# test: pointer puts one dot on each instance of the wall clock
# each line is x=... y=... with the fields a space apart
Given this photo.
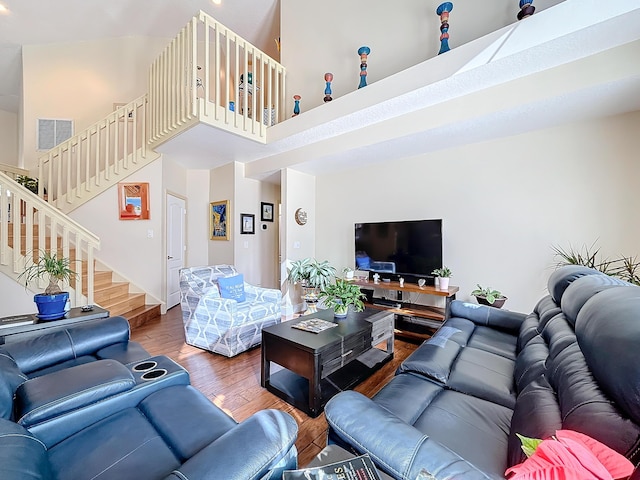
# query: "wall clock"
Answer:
x=301 y=216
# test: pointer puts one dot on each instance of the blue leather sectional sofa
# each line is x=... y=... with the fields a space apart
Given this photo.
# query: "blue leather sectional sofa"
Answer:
x=455 y=405
x=88 y=403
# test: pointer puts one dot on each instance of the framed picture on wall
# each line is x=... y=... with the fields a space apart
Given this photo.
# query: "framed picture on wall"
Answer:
x=247 y=223
x=133 y=201
x=218 y=220
x=266 y=212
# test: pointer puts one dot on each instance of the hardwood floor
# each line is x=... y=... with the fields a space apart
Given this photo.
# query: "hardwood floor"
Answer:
x=234 y=383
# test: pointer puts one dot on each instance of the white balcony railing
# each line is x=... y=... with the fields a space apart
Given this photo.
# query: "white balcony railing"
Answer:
x=208 y=73
x=28 y=225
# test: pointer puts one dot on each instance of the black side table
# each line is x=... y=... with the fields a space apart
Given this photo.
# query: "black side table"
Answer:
x=9 y=334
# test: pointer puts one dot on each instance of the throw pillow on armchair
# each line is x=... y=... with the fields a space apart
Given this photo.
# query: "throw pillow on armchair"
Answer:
x=232 y=288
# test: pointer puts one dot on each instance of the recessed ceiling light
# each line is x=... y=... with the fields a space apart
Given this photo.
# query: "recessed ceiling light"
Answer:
x=217 y=2
x=3 y=9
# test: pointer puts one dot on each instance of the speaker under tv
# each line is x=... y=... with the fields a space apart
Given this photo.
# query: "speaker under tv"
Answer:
x=410 y=249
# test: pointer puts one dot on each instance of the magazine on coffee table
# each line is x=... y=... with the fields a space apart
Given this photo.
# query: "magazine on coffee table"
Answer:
x=314 y=325
x=357 y=468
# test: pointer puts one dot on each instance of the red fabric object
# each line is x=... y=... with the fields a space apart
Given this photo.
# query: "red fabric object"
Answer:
x=571 y=455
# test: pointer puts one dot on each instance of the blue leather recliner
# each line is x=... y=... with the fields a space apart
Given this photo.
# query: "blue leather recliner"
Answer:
x=457 y=402
x=87 y=403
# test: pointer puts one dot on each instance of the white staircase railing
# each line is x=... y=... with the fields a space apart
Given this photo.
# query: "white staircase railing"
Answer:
x=28 y=224
x=208 y=73
x=87 y=163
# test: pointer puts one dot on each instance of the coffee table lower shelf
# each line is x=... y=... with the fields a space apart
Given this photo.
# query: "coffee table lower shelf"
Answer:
x=294 y=389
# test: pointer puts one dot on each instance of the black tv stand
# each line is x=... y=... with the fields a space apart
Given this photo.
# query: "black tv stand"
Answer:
x=385 y=302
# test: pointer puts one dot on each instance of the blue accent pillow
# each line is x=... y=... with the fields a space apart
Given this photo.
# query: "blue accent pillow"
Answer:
x=232 y=288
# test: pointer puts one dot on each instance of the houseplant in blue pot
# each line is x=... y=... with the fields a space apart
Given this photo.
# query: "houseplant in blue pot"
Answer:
x=55 y=269
x=340 y=295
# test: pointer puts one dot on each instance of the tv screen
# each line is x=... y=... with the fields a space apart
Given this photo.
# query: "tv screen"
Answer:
x=412 y=247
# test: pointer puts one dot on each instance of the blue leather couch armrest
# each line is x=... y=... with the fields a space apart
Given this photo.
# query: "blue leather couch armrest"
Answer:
x=395 y=446
x=22 y=456
x=249 y=451
x=488 y=316
x=41 y=398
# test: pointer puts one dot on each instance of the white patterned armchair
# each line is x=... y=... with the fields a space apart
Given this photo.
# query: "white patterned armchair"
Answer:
x=224 y=325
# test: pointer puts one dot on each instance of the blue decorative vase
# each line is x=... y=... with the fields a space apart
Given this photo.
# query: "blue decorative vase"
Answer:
x=364 y=54
x=443 y=10
x=51 y=307
x=526 y=9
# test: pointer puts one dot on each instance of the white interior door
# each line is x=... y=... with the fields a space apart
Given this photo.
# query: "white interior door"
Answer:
x=176 y=247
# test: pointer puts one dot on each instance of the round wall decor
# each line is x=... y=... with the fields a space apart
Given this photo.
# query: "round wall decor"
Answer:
x=301 y=216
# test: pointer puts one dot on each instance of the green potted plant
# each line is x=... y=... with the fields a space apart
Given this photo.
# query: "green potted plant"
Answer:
x=29 y=183
x=312 y=276
x=55 y=269
x=340 y=295
x=443 y=274
x=489 y=296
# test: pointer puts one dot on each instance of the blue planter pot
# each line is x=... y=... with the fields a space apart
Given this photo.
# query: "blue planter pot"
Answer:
x=51 y=307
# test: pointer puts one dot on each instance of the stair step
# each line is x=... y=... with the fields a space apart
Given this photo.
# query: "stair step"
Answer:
x=101 y=278
x=124 y=303
x=142 y=315
x=103 y=294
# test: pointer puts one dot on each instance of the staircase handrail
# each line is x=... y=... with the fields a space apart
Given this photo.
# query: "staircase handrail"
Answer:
x=24 y=207
x=102 y=149
x=12 y=171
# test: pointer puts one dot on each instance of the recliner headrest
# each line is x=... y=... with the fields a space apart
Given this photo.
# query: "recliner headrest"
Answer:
x=582 y=289
x=608 y=333
x=564 y=276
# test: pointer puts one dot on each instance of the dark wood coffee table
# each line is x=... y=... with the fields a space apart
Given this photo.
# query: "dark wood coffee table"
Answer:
x=316 y=366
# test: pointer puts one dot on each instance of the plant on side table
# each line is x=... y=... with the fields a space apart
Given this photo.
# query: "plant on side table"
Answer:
x=341 y=295
x=313 y=276
x=489 y=296
x=443 y=274
x=55 y=269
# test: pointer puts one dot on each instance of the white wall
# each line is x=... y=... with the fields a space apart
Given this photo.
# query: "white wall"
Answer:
x=197 y=217
x=81 y=81
x=15 y=299
x=9 y=138
x=319 y=37
x=504 y=203
x=125 y=245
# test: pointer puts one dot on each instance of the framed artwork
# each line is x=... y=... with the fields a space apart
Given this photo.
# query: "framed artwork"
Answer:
x=218 y=220
x=247 y=223
x=133 y=201
x=266 y=212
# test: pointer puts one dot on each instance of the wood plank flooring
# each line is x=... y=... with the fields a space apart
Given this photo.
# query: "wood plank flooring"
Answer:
x=233 y=384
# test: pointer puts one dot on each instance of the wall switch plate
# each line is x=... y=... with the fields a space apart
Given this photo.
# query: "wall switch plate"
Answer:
x=296 y=244
x=246 y=244
x=149 y=233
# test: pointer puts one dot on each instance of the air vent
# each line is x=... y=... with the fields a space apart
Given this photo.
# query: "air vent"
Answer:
x=52 y=132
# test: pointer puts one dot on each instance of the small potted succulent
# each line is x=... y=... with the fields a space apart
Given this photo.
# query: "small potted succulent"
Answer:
x=55 y=269
x=489 y=296
x=341 y=295
x=443 y=274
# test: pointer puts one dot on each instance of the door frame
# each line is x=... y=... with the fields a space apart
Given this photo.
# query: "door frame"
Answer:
x=165 y=242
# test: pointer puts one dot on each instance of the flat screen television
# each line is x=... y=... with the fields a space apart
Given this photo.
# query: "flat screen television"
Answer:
x=409 y=249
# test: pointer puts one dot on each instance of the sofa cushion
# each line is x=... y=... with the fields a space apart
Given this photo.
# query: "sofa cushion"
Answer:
x=536 y=415
x=561 y=278
x=191 y=427
x=232 y=288
x=22 y=456
x=582 y=289
x=611 y=318
x=120 y=446
x=475 y=429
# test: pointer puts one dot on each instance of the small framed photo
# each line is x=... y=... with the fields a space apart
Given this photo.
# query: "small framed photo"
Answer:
x=266 y=212
x=133 y=201
x=247 y=223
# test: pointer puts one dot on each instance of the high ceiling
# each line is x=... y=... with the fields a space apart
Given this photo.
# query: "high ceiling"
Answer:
x=34 y=22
